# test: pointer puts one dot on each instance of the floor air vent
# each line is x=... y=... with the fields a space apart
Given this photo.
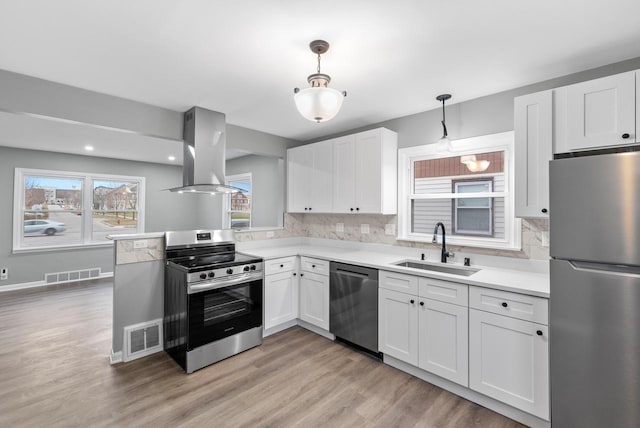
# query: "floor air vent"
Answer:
x=72 y=276
x=142 y=339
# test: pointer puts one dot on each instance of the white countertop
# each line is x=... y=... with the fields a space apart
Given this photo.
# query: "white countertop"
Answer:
x=518 y=281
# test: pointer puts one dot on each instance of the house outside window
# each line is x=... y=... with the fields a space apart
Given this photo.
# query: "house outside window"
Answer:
x=237 y=206
x=60 y=209
x=476 y=207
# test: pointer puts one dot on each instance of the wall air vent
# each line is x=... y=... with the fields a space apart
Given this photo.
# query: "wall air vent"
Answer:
x=72 y=276
x=142 y=339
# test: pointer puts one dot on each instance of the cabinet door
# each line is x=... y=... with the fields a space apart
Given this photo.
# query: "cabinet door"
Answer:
x=509 y=361
x=600 y=112
x=344 y=173
x=280 y=299
x=321 y=178
x=368 y=173
x=443 y=340
x=299 y=166
x=533 y=120
x=314 y=299
x=398 y=325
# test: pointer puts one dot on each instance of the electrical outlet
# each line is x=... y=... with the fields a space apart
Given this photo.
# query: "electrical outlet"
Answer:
x=390 y=229
x=340 y=227
x=140 y=243
x=270 y=234
x=364 y=228
x=4 y=273
x=544 y=237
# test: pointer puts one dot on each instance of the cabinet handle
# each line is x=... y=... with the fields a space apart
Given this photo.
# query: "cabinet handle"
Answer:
x=357 y=209
x=544 y=210
x=351 y=209
x=281 y=266
x=421 y=303
x=504 y=304
x=412 y=301
x=309 y=209
x=625 y=135
x=313 y=266
x=539 y=332
x=301 y=274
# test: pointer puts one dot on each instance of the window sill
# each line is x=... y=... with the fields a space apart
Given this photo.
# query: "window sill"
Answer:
x=504 y=246
x=62 y=248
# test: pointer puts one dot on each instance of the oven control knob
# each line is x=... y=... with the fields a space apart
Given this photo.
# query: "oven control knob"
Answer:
x=211 y=274
x=246 y=269
x=253 y=267
x=229 y=271
x=203 y=276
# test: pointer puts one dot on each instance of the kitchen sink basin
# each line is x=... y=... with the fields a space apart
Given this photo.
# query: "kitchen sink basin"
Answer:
x=462 y=271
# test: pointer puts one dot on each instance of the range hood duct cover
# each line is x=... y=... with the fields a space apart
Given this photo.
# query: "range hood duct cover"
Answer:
x=204 y=153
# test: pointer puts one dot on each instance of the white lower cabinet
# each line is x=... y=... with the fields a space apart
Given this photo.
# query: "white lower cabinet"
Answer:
x=425 y=333
x=314 y=299
x=509 y=361
x=280 y=298
x=398 y=325
x=443 y=340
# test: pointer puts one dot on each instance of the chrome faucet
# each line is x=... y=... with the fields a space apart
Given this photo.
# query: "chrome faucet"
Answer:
x=444 y=253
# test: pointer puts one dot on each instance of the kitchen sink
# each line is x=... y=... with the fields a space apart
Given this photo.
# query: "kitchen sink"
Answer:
x=463 y=271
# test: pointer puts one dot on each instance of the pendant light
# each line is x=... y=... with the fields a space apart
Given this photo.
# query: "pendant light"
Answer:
x=318 y=103
x=443 y=145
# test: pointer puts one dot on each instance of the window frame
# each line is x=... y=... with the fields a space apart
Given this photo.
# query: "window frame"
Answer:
x=486 y=143
x=226 y=206
x=87 y=179
x=455 y=184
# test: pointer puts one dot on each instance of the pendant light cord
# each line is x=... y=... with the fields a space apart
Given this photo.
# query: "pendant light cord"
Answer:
x=443 y=121
x=318 y=62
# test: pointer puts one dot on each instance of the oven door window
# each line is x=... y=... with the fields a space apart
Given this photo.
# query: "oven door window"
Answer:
x=220 y=313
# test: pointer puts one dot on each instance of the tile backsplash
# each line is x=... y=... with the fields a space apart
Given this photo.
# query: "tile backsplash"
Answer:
x=534 y=233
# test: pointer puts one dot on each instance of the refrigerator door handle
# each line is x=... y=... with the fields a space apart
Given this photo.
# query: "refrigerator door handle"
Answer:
x=624 y=270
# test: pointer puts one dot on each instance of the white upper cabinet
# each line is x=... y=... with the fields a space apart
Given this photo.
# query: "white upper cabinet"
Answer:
x=309 y=178
x=344 y=173
x=533 y=124
x=357 y=174
x=599 y=113
x=366 y=171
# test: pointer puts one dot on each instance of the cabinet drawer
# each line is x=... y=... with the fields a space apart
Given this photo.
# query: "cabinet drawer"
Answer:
x=398 y=282
x=284 y=264
x=444 y=291
x=528 y=308
x=318 y=266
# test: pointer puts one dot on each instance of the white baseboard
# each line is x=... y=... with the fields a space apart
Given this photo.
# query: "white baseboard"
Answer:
x=278 y=328
x=316 y=330
x=115 y=357
x=36 y=284
x=495 y=405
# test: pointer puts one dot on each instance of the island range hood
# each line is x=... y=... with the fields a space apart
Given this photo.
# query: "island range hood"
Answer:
x=204 y=153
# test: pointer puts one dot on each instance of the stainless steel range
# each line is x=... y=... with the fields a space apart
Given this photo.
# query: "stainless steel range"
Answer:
x=212 y=298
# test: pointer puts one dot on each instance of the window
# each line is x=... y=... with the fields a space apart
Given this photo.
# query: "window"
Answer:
x=476 y=206
x=56 y=209
x=238 y=205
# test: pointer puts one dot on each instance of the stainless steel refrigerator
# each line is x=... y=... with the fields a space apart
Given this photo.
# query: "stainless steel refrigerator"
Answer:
x=595 y=291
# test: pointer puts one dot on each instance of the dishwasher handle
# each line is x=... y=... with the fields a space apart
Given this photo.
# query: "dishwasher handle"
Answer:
x=349 y=273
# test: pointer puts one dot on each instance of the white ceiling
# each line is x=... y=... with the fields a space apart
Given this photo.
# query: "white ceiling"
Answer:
x=245 y=57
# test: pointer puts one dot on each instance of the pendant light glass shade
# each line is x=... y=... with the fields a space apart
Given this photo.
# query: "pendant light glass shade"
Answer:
x=443 y=146
x=318 y=104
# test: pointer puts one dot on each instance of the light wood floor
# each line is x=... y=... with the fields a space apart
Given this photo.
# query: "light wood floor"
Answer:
x=54 y=371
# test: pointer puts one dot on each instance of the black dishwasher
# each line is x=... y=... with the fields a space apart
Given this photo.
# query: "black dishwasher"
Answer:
x=353 y=309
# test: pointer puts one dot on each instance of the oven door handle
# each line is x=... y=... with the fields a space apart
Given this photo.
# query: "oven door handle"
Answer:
x=212 y=285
